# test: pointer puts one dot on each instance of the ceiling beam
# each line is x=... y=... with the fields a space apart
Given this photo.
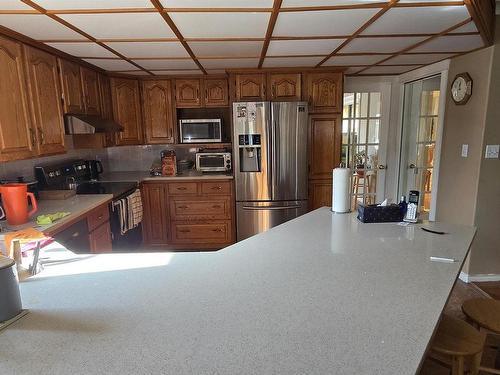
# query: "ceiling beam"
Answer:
x=413 y=46
x=159 y=7
x=81 y=32
x=483 y=15
x=270 y=29
x=377 y=15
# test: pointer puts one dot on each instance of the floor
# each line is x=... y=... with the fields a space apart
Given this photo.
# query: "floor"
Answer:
x=461 y=292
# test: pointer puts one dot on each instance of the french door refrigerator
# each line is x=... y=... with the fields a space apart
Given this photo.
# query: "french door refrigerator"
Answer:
x=270 y=164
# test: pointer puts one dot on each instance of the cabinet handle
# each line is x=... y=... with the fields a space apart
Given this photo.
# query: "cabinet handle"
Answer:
x=274 y=91
x=100 y=217
x=217 y=230
x=216 y=206
x=42 y=137
x=183 y=207
x=76 y=234
x=182 y=188
x=184 y=230
x=216 y=188
x=206 y=95
x=32 y=136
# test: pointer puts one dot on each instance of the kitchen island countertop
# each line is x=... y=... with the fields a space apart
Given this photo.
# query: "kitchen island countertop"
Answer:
x=321 y=294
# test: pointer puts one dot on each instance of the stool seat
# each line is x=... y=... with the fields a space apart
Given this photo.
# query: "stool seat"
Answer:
x=483 y=311
x=457 y=338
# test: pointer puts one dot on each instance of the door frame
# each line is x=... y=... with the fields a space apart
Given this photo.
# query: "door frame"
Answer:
x=441 y=68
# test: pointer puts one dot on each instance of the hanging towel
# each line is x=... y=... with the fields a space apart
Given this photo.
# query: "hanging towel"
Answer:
x=129 y=211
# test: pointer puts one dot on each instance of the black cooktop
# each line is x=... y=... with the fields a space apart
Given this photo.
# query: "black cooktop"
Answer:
x=118 y=189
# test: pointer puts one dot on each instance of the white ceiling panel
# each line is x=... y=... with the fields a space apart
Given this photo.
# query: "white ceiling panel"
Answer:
x=314 y=3
x=418 y=59
x=451 y=43
x=467 y=28
x=93 y=4
x=167 y=64
x=121 y=25
x=149 y=49
x=221 y=25
x=284 y=62
x=176 y=72
x=384 y=45
x=354 y=60
x=229 y=49
x=229 y=63
x=112 y=65
x=389 y=69
x=217 y=3
x=38 y=27
x=315 y=23
x=303 y=47
x=83 y=49
x=414 y=20
x=14 y=5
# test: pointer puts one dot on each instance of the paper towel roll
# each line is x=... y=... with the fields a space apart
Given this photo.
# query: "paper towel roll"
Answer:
x=341 y=201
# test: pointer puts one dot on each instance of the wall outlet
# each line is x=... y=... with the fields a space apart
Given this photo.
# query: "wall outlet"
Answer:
x=465 y=150
x=492 y=151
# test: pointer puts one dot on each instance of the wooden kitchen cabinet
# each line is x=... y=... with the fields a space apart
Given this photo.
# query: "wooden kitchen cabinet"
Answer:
x=71 y=87
x=188 y=93
x=16 y=132
x=127 y=110
x=105 y=96
x=320 y=193
x=155 y=218
x=216 y=92
x=100 y=239
x=250 y=87
x=324 y=92
x=158 y=111
x=47 y=113
x=285 y=87
x=91 y=95
x=325 y=133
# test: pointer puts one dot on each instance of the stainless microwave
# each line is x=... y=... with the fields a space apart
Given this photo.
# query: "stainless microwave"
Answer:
x=200 y=130
x=213 y=161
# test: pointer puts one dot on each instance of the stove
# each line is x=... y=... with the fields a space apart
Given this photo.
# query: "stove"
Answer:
x=118 y=189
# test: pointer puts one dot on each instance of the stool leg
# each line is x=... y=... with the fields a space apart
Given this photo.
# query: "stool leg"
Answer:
x=475 y=363
x=457 y=365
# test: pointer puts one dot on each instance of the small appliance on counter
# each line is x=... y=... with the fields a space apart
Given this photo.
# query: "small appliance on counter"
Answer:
x=200 y=130
x=95 y=169
x=168 y=163
x=184 y=165
x=213 y=162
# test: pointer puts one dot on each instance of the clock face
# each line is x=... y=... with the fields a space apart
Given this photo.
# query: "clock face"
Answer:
x=461 y=88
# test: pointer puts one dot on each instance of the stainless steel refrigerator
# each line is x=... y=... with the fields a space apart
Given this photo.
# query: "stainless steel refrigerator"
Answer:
x=270 y=164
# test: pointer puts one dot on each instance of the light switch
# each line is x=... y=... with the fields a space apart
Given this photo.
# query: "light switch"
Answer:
x=465 y=150
x=492 y=151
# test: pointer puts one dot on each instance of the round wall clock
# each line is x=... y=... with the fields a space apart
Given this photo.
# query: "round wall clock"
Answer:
x=461 y=88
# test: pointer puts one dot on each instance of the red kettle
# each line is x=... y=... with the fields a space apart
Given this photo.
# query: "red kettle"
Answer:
x=15 y=203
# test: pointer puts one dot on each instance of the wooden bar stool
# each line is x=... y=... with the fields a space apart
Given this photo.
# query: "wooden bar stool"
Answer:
x=457 y=339
x=485 y=314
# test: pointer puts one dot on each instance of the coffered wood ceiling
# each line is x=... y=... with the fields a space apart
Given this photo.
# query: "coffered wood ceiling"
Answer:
x=158 y=37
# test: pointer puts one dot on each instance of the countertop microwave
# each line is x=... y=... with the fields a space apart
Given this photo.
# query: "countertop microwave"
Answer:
x=213 y=162
x=200 y=130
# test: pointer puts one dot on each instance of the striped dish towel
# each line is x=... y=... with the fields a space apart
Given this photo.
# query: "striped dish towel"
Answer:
x=130 y=211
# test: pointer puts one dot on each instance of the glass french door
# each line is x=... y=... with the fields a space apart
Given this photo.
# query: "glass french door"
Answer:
x=418 y=141
x=363 y=145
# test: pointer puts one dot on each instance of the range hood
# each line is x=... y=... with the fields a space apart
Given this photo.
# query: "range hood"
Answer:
x=75 y=123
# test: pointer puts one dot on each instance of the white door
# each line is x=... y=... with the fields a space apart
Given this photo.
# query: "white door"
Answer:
x=364 y=140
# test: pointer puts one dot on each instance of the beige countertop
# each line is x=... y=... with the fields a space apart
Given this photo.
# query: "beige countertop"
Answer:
x=139 y=176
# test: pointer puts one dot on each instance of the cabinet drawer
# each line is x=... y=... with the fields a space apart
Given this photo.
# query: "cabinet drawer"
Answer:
x=200 y=209
x=98 y=216
x=220 y=188
x=178 y=188
x=206 y=233
x=100 y=239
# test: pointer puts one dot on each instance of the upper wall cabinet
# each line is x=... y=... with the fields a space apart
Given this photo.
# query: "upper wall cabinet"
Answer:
x=158 y=111
x=250 y=87
x=188 y=93
x=72 y=87
x=90 y=87
x=216 y=92
x=284 y=87
x=45 y=98
x=127 y=110
x=105 y=97
x=324 y=91
x=17 y=140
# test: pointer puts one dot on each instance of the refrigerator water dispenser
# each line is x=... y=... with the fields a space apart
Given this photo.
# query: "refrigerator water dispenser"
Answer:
x=249 y=152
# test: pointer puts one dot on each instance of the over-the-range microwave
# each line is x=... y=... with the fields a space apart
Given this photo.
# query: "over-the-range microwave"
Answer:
x=200 y=130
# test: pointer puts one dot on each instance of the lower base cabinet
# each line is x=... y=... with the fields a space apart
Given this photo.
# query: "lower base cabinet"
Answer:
x=191 y=215
x=320 y=193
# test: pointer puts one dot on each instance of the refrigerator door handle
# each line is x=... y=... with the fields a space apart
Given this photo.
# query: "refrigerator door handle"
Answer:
x=271 y=208
x=275 y=147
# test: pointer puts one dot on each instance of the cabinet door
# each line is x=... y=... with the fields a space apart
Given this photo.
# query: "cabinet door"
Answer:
x=216 y=93
x=158 y=111
x=91 y=96
x=72 y=87
x=127 y=110
x=320 y=194
x=16 y=135
x=187 y=93
x=45 y=97
x=105 y=97
x=100 y=239
x=325 y=92
x=285 y=87
x=250 y=87
x=155 y=218
x=325 y=134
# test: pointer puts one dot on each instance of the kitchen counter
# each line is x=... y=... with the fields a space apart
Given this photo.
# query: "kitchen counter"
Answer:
x=321 y=294
x=139 y=176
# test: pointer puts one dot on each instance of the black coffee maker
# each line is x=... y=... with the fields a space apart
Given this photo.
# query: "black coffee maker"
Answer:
x=95 y=169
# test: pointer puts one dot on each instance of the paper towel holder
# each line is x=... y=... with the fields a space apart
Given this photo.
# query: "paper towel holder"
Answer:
x=341 y=190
